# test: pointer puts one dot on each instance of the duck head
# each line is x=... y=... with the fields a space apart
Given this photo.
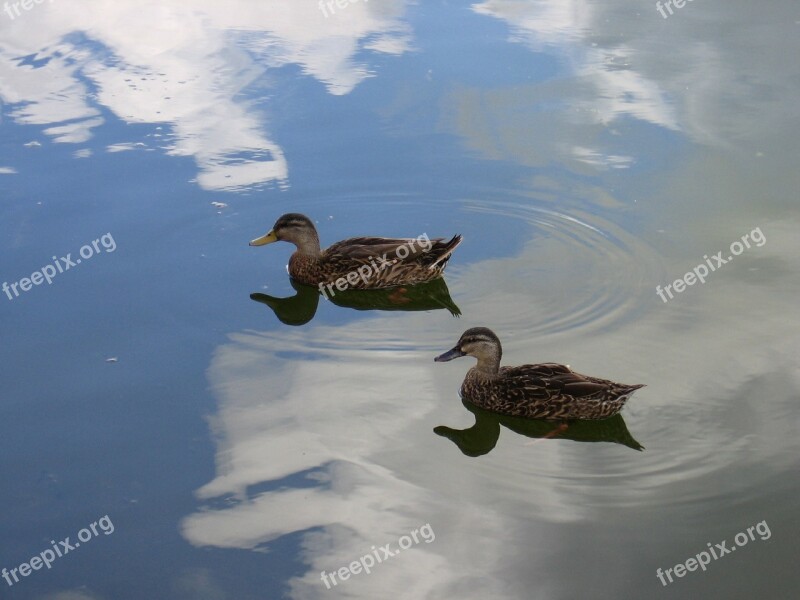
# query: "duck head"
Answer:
x=294 y=228
x=480 y=342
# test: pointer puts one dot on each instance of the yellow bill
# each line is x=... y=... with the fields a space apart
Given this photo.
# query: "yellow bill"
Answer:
x=265 y=239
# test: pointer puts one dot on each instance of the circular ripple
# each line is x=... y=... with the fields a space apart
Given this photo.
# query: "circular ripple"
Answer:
x=575 y=272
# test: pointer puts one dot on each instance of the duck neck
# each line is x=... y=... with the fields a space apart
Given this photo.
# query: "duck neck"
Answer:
x=308 y=244
x=488 y=366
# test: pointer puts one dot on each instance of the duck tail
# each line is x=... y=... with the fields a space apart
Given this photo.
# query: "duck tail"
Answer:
x=443 y=250
x=626 y=391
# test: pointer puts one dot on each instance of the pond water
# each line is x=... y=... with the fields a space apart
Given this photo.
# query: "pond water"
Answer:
x=202 y=428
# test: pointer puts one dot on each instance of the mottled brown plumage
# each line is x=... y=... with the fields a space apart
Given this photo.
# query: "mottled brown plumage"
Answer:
x=543 y=391
x=370 y=262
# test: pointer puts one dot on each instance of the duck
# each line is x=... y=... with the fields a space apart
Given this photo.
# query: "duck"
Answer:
x=542 y=391
x=361 y=262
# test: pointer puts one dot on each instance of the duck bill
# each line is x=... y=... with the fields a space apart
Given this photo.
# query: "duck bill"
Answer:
x=265 y=239
x=449 y=355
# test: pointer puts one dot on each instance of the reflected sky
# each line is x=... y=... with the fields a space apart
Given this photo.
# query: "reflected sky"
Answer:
x=352 y=409
x=588 y=153
x=186 y=66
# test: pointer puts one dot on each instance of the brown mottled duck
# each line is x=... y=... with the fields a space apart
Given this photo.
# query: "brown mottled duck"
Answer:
x=544 y=391
x=359 y=263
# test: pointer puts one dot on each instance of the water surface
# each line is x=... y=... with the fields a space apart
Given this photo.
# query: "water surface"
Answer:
x=587 y=152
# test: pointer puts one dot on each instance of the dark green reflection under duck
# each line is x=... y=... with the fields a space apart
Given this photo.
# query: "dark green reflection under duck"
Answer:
x=301 y=308
x=482 y=437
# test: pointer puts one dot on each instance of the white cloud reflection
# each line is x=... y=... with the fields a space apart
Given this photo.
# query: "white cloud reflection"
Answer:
x=185 y=65
x=334 y=417
x=565 y=28
x=680 y=74
x=347 y=412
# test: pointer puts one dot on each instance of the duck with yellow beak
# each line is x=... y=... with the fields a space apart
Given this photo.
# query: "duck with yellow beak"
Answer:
x=359 y=263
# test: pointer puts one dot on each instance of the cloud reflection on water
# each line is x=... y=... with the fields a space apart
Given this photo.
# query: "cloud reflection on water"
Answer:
x=185 y=65
x=343 y=420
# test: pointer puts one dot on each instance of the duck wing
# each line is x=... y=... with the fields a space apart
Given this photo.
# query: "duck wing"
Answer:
x=547 y=391
x=550 y=380
x=364 y=248
x=388 y=262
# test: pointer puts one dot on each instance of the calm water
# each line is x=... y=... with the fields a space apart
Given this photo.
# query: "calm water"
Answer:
x=238 y=447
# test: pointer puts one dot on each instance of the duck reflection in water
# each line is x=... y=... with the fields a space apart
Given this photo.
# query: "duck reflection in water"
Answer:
x=301 y=308
x=482 y=437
